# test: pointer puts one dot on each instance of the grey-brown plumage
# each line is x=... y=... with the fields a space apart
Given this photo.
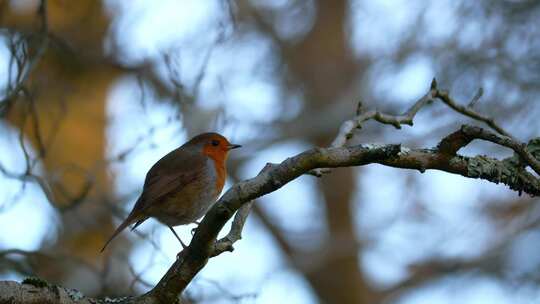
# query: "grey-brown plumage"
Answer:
x=182 y=185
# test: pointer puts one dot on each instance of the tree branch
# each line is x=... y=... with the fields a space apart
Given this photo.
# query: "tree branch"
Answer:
x=30 y=63
x=273 y=177
x=347 y=128
x=238 y=199
x=459 y=139
x=469 y=112
x=235 y=234
x=35 y=291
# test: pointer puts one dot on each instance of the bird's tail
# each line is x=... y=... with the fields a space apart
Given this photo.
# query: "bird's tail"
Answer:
x=129 y=220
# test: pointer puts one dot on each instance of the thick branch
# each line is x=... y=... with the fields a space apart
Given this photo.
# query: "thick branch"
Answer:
x=34 y=291
x=272 y=178
x=459 y=139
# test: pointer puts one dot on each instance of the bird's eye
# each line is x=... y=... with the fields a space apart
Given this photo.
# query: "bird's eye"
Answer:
x=215 y=142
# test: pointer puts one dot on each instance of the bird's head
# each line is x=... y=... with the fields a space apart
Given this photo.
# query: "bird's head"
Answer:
x=214 y=145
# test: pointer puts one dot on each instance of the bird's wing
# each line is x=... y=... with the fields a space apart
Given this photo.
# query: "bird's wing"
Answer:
x=169 y=174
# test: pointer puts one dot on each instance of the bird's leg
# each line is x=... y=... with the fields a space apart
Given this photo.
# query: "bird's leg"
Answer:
x=177 y=237
x=181 y=255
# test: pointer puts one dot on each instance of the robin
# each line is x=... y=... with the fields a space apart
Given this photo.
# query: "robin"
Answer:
x=182 y=185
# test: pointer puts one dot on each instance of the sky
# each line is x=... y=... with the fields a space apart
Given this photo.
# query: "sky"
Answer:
x=256 y=267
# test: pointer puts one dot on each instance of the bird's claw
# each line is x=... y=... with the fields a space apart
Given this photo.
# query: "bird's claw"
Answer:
x=181 y=254
x=195 y=229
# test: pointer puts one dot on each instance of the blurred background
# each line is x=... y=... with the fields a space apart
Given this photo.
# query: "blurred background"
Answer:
x=93 y=94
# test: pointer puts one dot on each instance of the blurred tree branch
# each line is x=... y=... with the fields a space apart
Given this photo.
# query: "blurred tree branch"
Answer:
x=25 y=61
x=238 y=199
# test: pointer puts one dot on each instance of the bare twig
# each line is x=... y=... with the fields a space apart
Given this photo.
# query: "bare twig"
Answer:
x=348 y=127
x=235 y=234
x=24 y=70
x=444 y=96
x=346 y=131
x=476 y=97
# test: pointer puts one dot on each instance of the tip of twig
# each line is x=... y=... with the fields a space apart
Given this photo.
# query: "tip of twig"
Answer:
x=476 y=97
x=359 y=108
x=433 y=84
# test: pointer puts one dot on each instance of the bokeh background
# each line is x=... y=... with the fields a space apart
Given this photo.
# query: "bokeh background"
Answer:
x=98 y=91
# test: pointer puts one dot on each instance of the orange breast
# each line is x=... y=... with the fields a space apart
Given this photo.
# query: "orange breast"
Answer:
x=219 y=158
x=221 y=175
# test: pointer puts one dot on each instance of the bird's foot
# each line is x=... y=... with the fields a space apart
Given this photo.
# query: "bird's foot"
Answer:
x=195 y=229
x=181 y=254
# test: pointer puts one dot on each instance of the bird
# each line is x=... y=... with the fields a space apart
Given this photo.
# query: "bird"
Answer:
x=181 y=186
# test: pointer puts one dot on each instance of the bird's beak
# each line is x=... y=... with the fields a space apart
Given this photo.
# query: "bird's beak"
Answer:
x=233 y=146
